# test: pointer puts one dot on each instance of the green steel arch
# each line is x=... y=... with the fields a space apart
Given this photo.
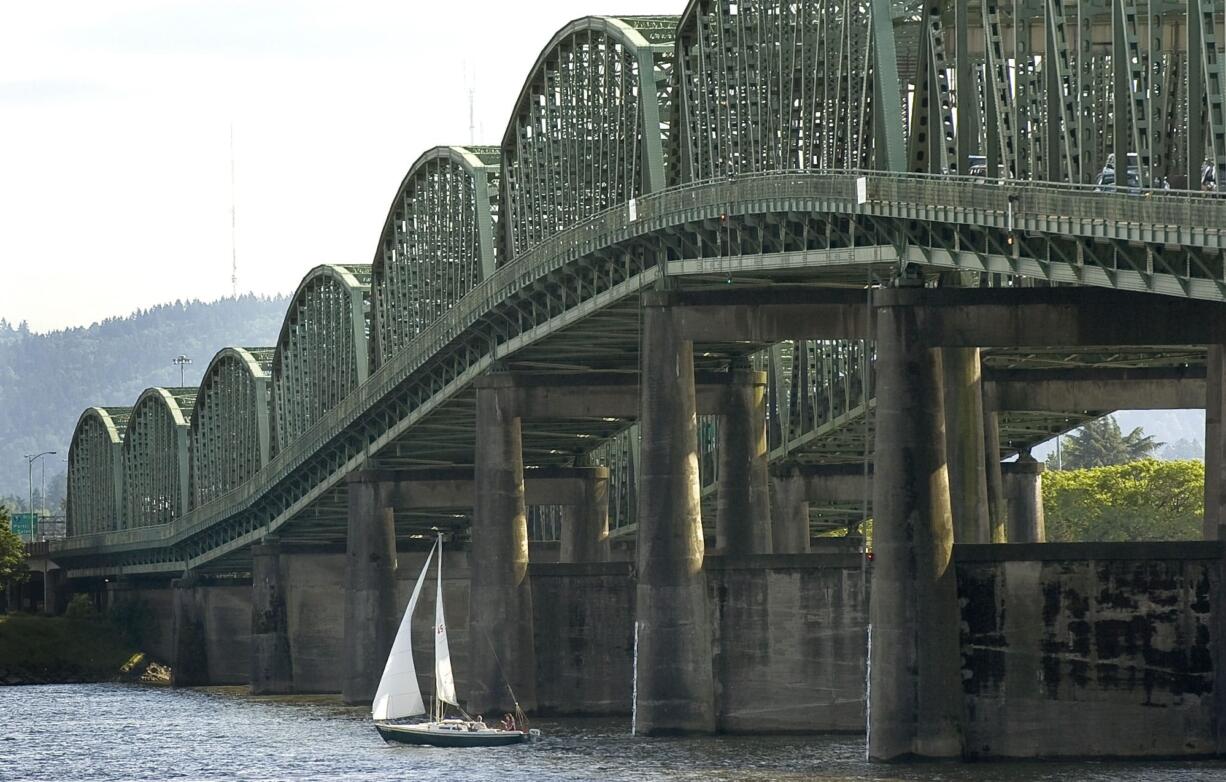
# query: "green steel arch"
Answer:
x=230 y=435
x=437 y=243
x=95 y=470
x=321 y=354
x=589 y=127
x=773 y=85
x=155 y=457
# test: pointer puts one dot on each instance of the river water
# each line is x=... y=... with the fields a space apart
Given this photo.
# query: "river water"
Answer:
x=132 y=732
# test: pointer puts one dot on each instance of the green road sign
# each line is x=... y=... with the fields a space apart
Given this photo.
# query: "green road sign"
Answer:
x=23 y=524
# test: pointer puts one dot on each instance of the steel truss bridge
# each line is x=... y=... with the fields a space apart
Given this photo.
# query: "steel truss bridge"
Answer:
x=770 y=148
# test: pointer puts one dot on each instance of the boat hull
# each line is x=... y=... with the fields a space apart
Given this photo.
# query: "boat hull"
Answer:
x=414 y=734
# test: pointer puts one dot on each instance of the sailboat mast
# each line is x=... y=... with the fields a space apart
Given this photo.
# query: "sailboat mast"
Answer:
x=438 y=620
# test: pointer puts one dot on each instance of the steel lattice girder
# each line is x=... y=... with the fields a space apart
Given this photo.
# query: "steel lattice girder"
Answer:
x=155 y=445
x=322 y=353
x=230 y=432
x=587 y=131
x=95 y=471
x=437 y=243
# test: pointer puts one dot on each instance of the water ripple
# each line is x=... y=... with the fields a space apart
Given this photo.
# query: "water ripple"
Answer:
x=131 y=733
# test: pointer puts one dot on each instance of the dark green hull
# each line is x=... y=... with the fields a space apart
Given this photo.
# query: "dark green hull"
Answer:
x=440 y=738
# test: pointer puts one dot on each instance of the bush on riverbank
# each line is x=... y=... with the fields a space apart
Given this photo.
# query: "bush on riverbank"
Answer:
x=80 y=648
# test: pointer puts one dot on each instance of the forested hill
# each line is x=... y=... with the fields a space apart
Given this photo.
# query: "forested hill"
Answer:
x=47 y=380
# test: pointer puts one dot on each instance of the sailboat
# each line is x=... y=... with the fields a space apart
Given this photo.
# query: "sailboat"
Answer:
x=399 y=696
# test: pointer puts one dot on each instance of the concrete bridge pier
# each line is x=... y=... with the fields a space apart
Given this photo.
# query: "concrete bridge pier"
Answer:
x=190 y=664
x=1215 y=445
x=370 y=587
x=994 y=479
x=55 y=592
x=915 y=685
x=271 y=668
x=585 y=525
x=965 y=444
x=673 y=673
x=501 y=646
x=12 y=596
x=743 y=517
x=1024 y=490
x=789 y=512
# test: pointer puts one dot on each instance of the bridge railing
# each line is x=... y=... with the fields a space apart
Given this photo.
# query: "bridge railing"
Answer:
x=1201 y=212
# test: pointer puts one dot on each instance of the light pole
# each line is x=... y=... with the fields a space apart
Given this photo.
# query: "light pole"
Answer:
x=182 y=361
x=30 y=459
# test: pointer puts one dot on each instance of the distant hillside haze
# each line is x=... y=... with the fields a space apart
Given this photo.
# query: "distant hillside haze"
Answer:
x=48 y=379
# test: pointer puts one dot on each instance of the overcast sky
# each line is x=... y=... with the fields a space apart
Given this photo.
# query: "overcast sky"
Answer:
x=114 y=135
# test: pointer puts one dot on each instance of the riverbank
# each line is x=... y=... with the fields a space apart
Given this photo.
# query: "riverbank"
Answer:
x=61 y=650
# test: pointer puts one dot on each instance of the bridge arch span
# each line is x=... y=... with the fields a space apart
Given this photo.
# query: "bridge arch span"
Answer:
x=155 y=463
x=798 y=97
x=95 y=470
x=437 y=242
x=321 y=353
x=230 y=435
x=589 y=128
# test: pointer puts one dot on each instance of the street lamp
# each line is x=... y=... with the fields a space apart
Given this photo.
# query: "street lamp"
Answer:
x=182 y=361
x=30 y=459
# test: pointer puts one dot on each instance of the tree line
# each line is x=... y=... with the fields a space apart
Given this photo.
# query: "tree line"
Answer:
x=48 y=379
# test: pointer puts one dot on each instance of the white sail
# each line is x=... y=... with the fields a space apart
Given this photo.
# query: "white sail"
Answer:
x=399 y=694
x=444 y=681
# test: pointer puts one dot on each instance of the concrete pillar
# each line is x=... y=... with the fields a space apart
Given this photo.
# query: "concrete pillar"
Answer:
x=55 y=592
x=371 y=614
x=743 y=519
x=12 y=596
x=789 y=514
x=271 y=669
x=585 y=527
x=964 y=443
x=991 y=457
x=674 y=690
x=915 y=700
x=1024 y=490
x=190 y=666
x=1215 y=445
x=500 y=602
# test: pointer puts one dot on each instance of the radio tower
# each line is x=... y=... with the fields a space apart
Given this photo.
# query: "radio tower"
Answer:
x=233 y=220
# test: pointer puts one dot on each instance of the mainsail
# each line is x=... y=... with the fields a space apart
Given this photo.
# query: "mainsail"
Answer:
x=444 y=682
x=398 y=694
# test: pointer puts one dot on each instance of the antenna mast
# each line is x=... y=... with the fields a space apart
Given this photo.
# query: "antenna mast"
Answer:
x=233 y=221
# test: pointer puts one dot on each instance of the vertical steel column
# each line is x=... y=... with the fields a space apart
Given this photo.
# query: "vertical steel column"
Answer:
x=1063 y=144
x=886 y=100
x=1197 y=117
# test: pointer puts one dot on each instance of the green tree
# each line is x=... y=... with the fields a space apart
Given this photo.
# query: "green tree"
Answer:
x=1101 y=444
x=1140 y=500
x=12 y=552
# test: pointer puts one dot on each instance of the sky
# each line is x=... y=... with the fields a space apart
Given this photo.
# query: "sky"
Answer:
x=115 y=122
